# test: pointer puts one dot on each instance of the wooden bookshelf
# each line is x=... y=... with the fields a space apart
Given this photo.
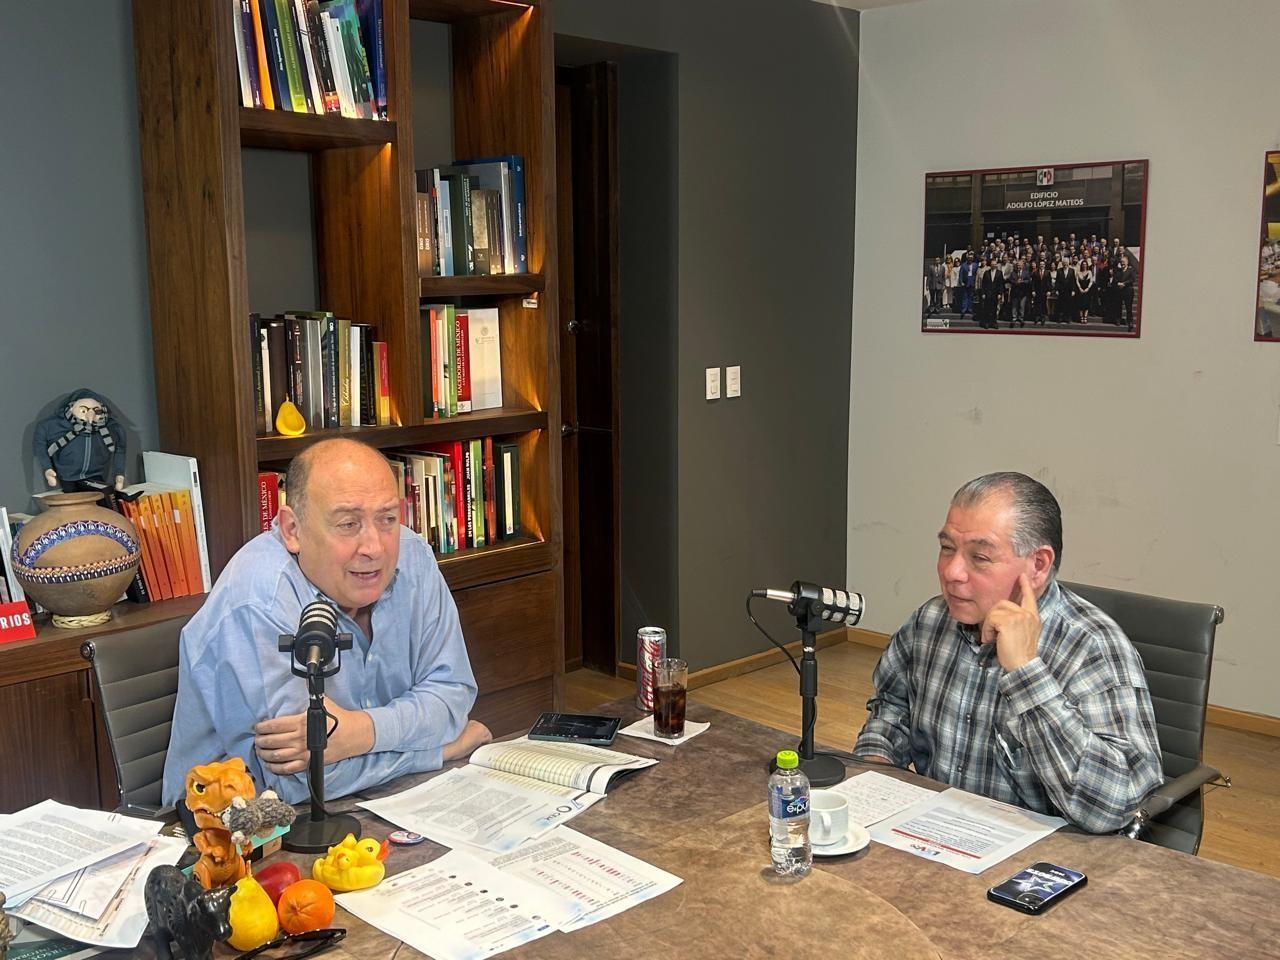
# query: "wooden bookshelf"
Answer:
x=192 y=131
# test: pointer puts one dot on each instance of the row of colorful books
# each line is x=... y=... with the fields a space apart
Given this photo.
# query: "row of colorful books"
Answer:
x=471 y=219
x=456 y=495
x=312 y=56
x=461 y=494
x=330 y=368
x=10 y=589
x=462 y=353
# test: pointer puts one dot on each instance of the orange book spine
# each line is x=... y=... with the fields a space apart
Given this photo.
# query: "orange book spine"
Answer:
x=260 y=48
x=164 y=588
x=148 y=572
x=187 y=531
x=163 y=507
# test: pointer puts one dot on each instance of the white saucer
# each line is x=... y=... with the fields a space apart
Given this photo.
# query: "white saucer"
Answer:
x=854 y=840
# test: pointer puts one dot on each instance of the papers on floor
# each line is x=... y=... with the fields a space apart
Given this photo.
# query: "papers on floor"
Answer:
x=591 y=877
x=873 y=796
x=643 y=728
x=103 y=904
x=964 y=831
x=50 y=840
x=459 y=908
x=509 y=793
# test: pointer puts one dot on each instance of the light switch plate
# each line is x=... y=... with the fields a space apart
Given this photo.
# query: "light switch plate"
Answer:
x=733 y=381
x=713 y=383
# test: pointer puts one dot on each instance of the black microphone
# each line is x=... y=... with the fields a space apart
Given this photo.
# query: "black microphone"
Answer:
x=837 y=606
x=316 y=642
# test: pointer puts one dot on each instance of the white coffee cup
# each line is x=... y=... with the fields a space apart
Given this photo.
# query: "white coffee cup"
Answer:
x=828 y=817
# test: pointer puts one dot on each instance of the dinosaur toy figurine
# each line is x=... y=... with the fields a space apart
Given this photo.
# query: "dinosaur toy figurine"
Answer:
x=211 y=790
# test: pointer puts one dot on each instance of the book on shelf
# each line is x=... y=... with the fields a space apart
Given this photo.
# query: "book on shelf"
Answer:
x=325 y=365
x=270 y=497
x=506 y=462
x=312 y=56
x=181 y=473
x=472 y=218
x=461 y=359
x=10 y=589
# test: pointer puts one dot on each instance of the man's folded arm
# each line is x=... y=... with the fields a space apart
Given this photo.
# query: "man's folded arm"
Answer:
x=1097 y=757
x=887 y=731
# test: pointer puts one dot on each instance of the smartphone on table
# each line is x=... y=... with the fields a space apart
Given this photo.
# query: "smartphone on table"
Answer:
x=1037 y=888
x=576 y=728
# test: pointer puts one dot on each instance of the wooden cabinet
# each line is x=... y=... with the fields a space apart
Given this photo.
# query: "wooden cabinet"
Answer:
x=192 y=133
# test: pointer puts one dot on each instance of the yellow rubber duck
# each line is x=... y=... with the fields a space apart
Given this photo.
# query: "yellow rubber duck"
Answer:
x=352 y=864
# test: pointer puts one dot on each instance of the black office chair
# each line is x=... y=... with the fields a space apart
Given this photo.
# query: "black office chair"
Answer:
x=137 y=673
x=1175 y=640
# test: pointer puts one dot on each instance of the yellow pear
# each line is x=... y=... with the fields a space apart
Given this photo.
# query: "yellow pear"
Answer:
x=289 y=420
x=253 y=916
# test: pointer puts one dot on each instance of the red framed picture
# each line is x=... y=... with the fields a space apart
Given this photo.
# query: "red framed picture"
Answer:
x=1056 y=249
x=1266 y=319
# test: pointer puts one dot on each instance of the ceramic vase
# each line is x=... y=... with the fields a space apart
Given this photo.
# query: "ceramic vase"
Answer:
x=76 y=558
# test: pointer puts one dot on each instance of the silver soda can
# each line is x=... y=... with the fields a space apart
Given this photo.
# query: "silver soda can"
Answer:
x=651 y=645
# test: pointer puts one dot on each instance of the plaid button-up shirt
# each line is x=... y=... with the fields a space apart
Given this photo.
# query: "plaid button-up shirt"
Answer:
x=1070 y=733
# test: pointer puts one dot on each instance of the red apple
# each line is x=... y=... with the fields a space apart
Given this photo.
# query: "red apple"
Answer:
x=276 y=877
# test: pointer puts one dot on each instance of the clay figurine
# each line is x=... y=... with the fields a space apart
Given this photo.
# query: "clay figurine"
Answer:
x=186 y=920
x=82 y=445
x=211 y=789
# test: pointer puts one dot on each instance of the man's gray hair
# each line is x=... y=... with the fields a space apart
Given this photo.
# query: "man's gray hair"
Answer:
x=1037 y=520
x=299 y=473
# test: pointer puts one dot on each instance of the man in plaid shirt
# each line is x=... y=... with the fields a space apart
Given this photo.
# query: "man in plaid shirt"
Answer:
x=1008 y=684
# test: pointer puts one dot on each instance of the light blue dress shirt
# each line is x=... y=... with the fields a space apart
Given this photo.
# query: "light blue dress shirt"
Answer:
x=415 y=681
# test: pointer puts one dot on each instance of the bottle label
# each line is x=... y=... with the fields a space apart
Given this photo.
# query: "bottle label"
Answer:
x=782 y=807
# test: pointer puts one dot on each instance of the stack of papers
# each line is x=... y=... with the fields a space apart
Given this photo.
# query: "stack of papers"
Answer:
x=81 y=873
x=515 y=873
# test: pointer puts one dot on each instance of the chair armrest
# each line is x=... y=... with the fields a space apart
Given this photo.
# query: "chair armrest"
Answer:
x=1167 y=794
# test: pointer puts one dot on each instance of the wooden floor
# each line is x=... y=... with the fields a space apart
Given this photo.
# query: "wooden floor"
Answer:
x=1242 y=825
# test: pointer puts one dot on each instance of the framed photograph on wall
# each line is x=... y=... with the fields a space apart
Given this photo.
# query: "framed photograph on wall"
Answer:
x=1266 y=322
x=1036 y=250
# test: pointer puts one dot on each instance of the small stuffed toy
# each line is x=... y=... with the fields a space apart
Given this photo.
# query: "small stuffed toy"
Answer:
x=82 y=444
x=249 y=817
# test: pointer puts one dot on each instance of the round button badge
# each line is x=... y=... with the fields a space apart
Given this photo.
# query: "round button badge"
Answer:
x=405 y=838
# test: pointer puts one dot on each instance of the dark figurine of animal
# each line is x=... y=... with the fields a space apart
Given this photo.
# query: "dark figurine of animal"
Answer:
x=256 y=816
x=186 y=919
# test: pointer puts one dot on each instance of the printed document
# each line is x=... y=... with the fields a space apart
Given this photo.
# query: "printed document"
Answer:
x=590 y=876
x=963 y=830
x=509 y=793
x=103 y=905
x=49 y=840
x=873 y=796
x=458 y=908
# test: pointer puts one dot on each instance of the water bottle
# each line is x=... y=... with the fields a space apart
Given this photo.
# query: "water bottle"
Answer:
x=789 y=817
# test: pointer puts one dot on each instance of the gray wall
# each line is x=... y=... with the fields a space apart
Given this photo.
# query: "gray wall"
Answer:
x=1162 y=450
x=767 y=119
x=73 y=270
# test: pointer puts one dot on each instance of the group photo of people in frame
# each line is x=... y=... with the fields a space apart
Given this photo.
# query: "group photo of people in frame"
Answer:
x=1266 y=325
x=1055 y=249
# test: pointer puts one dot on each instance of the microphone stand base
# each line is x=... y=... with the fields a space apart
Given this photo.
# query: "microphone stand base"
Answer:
x=317 y=836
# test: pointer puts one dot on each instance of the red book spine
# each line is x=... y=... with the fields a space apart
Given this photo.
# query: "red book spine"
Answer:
x=268 y=499
x=490 y=501
x=384 y=385
x=462 y=351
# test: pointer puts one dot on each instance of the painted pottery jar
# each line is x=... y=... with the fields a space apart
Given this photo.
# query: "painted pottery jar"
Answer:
x=76 y=558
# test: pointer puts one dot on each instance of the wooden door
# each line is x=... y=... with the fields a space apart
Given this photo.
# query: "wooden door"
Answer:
x=587 y=201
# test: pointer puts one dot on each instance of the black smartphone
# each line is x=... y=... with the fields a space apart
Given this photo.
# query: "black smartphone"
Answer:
x=1037 y=888
x=575 y=728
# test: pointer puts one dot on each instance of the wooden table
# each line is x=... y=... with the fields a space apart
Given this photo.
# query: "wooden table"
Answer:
x=700 y=814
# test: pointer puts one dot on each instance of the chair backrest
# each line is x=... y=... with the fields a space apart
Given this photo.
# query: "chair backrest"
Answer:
x=137 y=672
x=1175 y=641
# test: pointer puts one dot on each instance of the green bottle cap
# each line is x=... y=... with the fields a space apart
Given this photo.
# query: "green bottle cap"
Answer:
x=788 y=760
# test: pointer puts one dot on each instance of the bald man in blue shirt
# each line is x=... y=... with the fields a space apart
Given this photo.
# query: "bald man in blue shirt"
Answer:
x=405 y=689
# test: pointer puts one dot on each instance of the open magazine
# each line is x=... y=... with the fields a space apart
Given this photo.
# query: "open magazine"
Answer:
x=510 y=792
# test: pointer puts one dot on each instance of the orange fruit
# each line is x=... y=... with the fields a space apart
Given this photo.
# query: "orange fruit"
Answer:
x=306 y=905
